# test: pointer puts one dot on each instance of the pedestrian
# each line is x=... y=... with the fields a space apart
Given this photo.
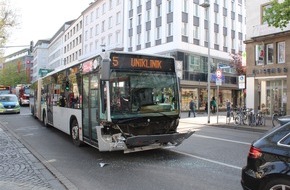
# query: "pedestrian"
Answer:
x=213 y=105
x=228 y=106
x=191 y=108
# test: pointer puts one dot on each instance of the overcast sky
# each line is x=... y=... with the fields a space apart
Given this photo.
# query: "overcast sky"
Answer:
x=41 y=19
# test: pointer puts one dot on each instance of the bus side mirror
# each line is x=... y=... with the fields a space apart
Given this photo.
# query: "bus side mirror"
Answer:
x=105 y=69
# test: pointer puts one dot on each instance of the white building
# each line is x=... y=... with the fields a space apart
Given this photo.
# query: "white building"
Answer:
x=173 y=27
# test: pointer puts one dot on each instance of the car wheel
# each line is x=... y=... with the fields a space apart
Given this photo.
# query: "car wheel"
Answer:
x=277 y=184
x=75 y=133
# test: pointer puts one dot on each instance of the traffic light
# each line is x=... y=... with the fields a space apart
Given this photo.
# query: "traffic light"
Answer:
x=67 y=85
x=31 y=47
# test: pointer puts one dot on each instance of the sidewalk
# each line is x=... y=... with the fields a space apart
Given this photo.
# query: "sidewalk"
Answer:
x=20 y=169
x=219 y=121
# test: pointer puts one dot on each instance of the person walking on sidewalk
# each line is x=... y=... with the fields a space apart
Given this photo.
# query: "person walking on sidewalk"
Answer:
x=228 y=105
x=191 y=108
x=213 y=105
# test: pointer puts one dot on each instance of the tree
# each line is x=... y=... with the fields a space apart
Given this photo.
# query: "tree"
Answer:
x=277 y=14
x=7 y=22
x=10 y=76
x=236 y=63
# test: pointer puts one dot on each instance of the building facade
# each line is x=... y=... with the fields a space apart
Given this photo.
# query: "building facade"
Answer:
x=268 y=63
x=180 y=28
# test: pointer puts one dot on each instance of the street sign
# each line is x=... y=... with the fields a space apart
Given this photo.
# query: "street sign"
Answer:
x=242 y=82
x=218 y=73
x=218 y=81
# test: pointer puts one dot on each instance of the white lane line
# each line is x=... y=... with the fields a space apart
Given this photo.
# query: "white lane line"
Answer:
x=221 y=139
x=208 y=160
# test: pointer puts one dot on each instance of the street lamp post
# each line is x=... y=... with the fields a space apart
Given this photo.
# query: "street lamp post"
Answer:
x=206 y=6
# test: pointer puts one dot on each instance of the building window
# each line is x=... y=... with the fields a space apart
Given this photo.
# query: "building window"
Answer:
x=281 y=52
x=206 y=35
x=103 y=26
x=216 y=18
x=185 y=6
x=96 y=44
x=130 y=42
x=110 y=39
x=138 y=39
x=184 y=29
x=225 y=41
x=264 y=8
x=110 y=4
x=216 y=38
x=148 y=14
x=110 y=21
x=118 y=37
x=97 y=12
x=270 y=53
x=225 y=21
x=104 y=8
x=91 y=32
x=97 y=29
x=148 y=36
x=195 y=32
x=169 y=29
x=118 y=18
x=158 y=33
x=259 y=54
x=195 y=10
x=130 y=23
x=130 y=5
x=169 y=6
x=158 y=11
x=139 y=19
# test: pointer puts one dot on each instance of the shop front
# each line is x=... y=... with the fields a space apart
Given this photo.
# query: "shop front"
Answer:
x=200 y=96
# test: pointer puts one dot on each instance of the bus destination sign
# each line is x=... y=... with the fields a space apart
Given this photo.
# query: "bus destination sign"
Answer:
x=144 y=62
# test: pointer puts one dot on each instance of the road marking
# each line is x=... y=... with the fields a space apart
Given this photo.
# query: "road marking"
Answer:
x=208 y=160
x=221 y=139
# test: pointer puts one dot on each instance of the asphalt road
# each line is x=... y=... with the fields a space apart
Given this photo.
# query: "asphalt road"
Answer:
x=211 y=159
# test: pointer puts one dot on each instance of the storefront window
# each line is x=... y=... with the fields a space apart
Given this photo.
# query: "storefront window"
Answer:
x=281 y=52
x=270 y=54
x=259 y=54
x=276 y=96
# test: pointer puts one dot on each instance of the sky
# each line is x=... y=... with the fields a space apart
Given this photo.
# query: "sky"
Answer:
x=41 y=19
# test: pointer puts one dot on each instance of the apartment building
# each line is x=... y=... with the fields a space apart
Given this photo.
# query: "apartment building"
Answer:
x=268 y=63
x=40 y=65
x=180 y=28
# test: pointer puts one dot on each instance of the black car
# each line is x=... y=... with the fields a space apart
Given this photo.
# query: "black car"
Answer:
x=268 y=164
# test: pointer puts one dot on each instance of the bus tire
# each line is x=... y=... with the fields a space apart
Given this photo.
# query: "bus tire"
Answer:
x=74 y=127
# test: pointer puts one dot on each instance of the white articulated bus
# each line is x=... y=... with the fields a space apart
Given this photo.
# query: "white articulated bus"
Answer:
x=114 y=101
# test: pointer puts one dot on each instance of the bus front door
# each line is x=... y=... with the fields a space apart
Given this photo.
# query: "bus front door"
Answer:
x=90 y=107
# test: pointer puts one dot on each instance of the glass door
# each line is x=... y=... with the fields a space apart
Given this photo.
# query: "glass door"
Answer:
x=90 y=106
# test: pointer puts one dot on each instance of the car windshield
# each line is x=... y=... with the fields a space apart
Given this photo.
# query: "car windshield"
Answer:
x=139 y=93
x=8 y=99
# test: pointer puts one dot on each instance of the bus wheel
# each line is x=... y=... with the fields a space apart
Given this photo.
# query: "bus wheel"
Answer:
x=75 y=133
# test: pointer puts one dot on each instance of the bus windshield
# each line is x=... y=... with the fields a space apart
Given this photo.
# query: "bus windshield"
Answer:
x=136 y=94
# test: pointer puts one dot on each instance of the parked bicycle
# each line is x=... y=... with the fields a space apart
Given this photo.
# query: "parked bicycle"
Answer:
x=241 y=116
x=256 y=119
x=276 y=115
